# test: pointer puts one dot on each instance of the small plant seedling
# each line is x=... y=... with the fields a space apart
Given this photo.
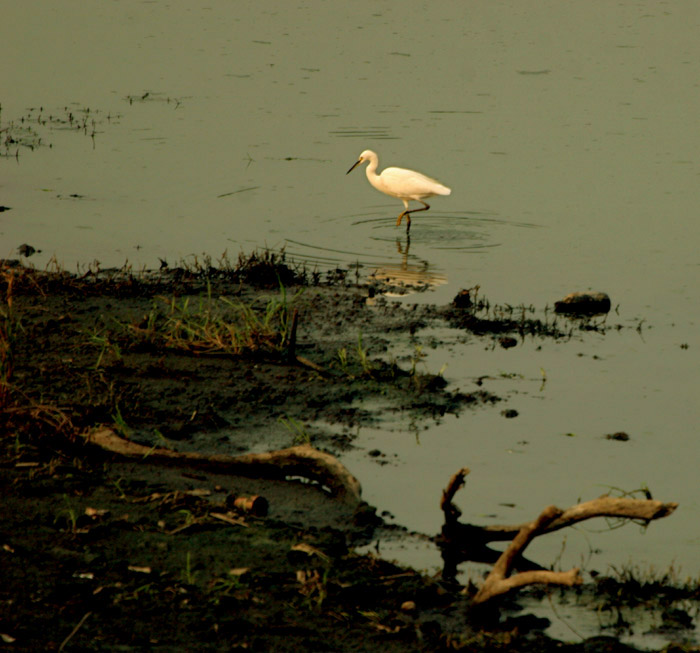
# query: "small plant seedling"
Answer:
x=362 y=356
x=226 y=585
x=418 y=356
x=117 y=484
x=297 y=428
x=188 y=575
x=343 y=360
x=161 y=441
x=120 y=423
x=105 y=345
x=71 y=514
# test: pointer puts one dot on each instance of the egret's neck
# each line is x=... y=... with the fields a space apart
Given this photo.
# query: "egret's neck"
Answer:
x=371 y=170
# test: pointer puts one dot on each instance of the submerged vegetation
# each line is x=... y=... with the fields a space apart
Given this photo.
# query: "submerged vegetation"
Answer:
x=29 y=131
x=32 y=129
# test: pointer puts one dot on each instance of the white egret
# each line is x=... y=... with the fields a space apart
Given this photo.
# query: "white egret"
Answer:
x=404 y=184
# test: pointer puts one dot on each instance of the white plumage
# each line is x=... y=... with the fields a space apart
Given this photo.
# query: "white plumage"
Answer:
x=401 y=183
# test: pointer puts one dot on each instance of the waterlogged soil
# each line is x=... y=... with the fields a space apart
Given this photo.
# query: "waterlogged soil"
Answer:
x=99 y=552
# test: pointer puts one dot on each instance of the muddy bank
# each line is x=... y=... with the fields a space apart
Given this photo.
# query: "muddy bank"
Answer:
x=103 y=553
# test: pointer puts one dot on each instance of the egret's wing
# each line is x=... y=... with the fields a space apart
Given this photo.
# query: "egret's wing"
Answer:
x=400 y=182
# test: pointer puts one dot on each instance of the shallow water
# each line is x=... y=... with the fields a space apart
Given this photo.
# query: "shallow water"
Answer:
x=566 y=131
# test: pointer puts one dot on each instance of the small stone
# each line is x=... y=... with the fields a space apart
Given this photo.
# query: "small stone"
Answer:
x=462 y=299
x=620 y=436
x=26 y=250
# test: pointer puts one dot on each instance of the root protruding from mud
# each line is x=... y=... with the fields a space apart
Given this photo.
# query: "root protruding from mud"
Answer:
x=300 y=461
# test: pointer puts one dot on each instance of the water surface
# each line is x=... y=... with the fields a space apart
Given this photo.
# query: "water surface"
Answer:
x=566 y=131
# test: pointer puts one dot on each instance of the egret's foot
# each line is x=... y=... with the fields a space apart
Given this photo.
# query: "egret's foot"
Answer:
x=398 y=220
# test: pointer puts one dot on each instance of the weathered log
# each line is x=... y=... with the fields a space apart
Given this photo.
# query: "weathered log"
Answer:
x=300 y=461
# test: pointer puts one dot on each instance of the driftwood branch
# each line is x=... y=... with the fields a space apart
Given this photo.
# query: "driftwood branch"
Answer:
x=551 y=519
x=603 y=506
x=301 y=461
x=499 y=582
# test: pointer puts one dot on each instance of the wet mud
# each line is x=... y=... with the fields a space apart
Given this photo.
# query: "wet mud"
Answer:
x=104 y=553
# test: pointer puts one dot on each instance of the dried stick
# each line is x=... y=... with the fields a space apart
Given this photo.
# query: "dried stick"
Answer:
x=291 y=349
x=292 y=357
x=75 y=630
x=302 y=460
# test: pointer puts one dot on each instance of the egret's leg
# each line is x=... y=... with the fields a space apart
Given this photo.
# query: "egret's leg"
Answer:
x=405 y=206
x=425 y=207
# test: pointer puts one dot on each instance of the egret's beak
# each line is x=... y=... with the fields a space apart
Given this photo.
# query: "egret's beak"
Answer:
x=354 y=165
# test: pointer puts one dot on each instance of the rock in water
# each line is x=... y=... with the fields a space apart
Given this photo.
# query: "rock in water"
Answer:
x=583 y=303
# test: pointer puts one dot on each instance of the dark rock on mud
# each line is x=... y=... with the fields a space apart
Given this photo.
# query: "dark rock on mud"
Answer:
x=463 y=299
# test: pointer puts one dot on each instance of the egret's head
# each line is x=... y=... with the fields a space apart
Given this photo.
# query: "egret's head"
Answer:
x=361 y=159
x=365 y=156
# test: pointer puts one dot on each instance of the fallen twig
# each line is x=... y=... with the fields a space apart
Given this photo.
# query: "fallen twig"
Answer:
x=75 y=630
x=305 y=362
x=234 y=521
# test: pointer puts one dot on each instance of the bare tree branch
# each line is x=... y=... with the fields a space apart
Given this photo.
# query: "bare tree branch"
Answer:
x=498 y=581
